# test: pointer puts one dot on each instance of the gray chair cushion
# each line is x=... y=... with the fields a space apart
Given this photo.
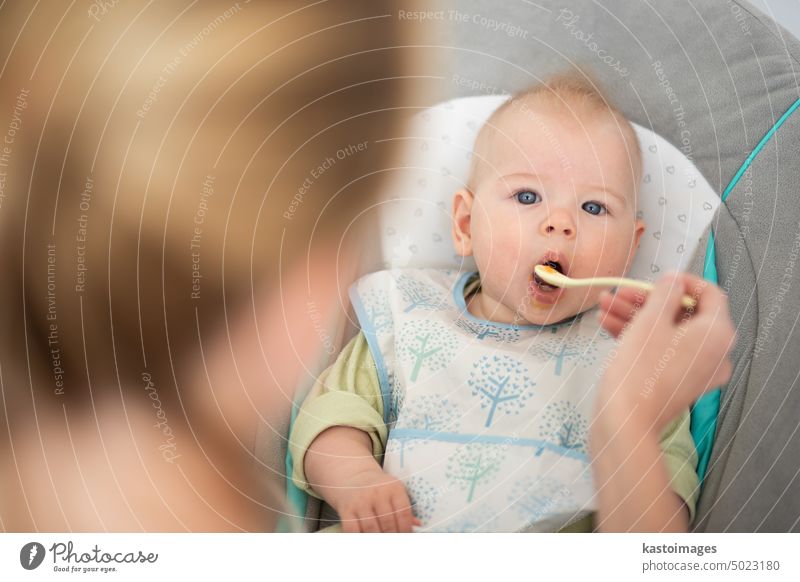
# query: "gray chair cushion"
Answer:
x=712 y=78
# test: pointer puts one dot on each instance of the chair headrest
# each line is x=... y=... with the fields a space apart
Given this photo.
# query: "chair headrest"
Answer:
x=676 y=202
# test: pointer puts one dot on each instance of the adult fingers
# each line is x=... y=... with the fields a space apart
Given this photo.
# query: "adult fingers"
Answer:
x=720 y=376
x=612 y=323
x=724 y=373
x=663 y=306
x=626 y=296
x=712 y=313
x=711 y=300
x=718 y=341
x=713 y=336
x=618 y=309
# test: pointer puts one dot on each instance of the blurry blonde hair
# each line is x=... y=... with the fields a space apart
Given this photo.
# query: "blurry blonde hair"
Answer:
x=171 y=161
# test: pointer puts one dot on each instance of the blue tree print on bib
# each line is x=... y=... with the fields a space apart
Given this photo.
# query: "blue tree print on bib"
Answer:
x=603 y=334
x=396 y=398
x=426 y=344
x=424 y=498
x=431 y=413
x=482 y=331
x=501 y=383
x=564 y=426
x=376 y=306
x=536 y=499
x=479 y=518
x=426 y=413
x=420 y=295
x=472 y=465
x=571 y=348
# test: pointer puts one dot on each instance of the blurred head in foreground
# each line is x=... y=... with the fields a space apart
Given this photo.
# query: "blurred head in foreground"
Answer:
x=180 y=189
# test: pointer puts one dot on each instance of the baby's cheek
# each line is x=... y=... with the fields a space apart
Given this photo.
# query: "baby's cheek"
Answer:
x=625 y=254
x=510 y=241
x=592 y=298
x=611 y=262
x=495 y=246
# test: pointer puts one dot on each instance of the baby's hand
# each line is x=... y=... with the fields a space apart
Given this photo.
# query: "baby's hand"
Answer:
x=374 y=502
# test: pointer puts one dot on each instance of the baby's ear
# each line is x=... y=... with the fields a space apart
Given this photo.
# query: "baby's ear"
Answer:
x=638 y=231
x=462 y=217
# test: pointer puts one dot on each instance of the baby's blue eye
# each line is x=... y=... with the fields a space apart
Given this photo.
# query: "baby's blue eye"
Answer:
x=526 y=197
x=594 y=208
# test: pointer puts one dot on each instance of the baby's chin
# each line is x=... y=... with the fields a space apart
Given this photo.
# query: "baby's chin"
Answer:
x=537 y=313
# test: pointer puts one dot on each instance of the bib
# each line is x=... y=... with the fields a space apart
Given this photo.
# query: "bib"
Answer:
x=488 y=422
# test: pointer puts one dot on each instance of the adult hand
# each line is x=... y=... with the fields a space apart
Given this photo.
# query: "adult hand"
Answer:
x=618 y=309
x=667 y=356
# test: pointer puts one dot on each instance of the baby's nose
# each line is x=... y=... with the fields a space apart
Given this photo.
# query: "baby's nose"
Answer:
x=559 y=222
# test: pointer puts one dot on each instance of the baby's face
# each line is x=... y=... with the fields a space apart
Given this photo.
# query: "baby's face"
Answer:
x=551 y=188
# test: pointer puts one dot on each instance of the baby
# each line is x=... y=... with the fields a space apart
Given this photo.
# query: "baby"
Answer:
x=464 y=403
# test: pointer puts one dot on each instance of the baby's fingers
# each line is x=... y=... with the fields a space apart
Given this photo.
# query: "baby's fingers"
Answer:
x=387 y=517
x=405 y=518
x=350 y=523
x=367 y=521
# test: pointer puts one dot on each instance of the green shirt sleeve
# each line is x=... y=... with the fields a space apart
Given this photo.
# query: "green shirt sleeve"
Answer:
x=348 y=393
x=680 y=455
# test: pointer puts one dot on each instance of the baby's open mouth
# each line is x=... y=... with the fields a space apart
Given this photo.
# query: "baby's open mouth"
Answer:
x=547 y=286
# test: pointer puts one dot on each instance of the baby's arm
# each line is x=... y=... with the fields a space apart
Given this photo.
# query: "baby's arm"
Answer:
x=340 y=467
x=337 y=438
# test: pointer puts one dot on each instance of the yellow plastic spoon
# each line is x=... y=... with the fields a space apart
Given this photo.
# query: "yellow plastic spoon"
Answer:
x=549 y=275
